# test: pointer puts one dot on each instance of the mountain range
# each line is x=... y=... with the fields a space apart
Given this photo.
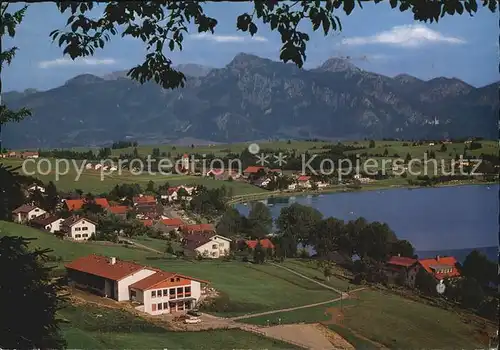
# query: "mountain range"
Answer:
x=253 y=98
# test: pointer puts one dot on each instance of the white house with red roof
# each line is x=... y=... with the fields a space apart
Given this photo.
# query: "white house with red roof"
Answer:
x=440 y=267
x=304 y=181
x=156 y=291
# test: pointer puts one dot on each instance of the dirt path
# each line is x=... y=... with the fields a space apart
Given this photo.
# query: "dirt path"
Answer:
x=308 y=278
x=140 y=245
x=344 y=297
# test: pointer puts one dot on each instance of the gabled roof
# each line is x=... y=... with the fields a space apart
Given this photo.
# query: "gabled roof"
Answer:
x=147 y=223
x=25 y=208
x=99 y=265
x=74 y=219
x=118 y=209
x=160 y=276
x=44 y=221
x=77 y=204
x=144 y=199
x=265 y=243
x=431 y=264
x=198 y=228
x=173 y=222
x=253 y=169
x=303 y=178
x=401 y=261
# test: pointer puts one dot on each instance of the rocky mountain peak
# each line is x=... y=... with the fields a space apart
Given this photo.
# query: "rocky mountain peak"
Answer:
x=336 y=64
x=84 y=79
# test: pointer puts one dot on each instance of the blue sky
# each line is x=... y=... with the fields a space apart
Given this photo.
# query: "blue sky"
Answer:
x=375 y=38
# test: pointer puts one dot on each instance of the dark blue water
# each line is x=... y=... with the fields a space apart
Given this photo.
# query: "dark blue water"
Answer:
x=433 y=219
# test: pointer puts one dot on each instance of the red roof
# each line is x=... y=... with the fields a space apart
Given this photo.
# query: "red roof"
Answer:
x=147 y=223
x=198 y=228
x=173 y=222
x=185 y=155
x=253 y=169
x=160 y=276
x=76 y=204
x=265 y=243
x=216 y=172
x=401 y=261
x=303 y=178
x=172 y=190
x=144 y=199
x=99 y=265
x=440 y=262
x=118 y=209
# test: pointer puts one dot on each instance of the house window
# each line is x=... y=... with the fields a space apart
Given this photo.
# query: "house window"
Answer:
x=180 y=306
x=153 y=307
x=187 y=305
x=188 y=289
x=133 y=294
x=153 y=294
x=159 y=293
x=85 y=235
x=171 y=280
x=165 y=306
x=177 y=279
x=77 y=229
x=160 y=306
x=165 y=292
x=85 y=228
x=214 y=246
x=179 y=290
x=78 y=236
x=221 y=245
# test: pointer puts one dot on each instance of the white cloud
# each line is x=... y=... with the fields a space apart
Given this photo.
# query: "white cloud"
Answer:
x=227 y=38
x=77 y=62
x=405 y=36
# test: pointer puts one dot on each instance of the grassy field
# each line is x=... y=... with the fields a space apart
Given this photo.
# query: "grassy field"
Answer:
x=91 y=181
x=90 y=327
x=393 y=321
x=250 y=288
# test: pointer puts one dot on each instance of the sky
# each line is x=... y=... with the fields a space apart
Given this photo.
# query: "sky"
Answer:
x=375 y=38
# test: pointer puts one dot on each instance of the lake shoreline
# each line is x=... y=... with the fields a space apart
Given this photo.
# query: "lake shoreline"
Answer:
x=344 y=189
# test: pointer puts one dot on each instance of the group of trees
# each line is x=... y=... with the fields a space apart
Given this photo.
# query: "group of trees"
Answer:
x=303 y=225
x=123 y=144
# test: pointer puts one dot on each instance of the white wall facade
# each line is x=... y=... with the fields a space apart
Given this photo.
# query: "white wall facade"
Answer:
x=54 y=226
x=35 y=213
x=148 y=301
x=124 y=284
x=216 y=248
x=82 y=230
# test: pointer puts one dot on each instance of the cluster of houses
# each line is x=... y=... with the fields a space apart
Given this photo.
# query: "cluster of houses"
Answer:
x=262 y=176
x=404 y=270
x=20 y=155
x=195 y=239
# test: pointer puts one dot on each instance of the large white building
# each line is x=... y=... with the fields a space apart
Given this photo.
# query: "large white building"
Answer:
x=156 y=291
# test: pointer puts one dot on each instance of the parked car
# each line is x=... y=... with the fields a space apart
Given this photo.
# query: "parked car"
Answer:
x=194 y=312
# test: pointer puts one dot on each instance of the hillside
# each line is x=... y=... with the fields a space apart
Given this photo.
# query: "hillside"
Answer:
x=254 y=98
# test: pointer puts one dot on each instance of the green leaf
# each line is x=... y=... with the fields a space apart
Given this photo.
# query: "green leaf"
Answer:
x=348 y=6
x=252 y=28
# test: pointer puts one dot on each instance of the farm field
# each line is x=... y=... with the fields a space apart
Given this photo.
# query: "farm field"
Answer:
x=90 y=327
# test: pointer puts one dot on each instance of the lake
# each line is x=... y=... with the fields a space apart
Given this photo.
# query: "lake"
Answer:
x=433 y=219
